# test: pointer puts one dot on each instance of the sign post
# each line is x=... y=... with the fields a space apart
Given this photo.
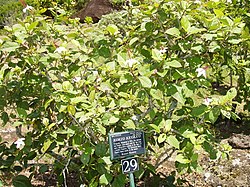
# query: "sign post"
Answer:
x=124 y=145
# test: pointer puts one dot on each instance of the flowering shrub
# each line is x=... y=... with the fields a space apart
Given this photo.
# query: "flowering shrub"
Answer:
x=149 y=67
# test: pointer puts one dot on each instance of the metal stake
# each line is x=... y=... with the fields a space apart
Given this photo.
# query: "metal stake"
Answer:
x=132 y=180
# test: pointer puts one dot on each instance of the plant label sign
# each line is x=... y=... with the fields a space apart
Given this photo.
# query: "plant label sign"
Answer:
x=126 y=144
x=130 y=165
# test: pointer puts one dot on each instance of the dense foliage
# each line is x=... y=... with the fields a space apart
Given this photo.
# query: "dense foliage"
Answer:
x=171 y=68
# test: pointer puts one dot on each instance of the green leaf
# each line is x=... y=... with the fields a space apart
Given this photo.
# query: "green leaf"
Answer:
x=156 y=128
x=133 y=40
x=119 y=181
x=199 y=110
x=22 y=113
x=194 y=30
x=162 y=138
x=67 y=86
x=173 y=32
x=21 y=181
x=174 y=64
x=156 y=94
x=46 y=145
x=105 y=86
x=168 y=125
x=9 y=46
x=43 y=168
x=145 y=82
x=101 y=129
x=156 y=55
x=85 y=158
x=129 y=124
x=5 y=117
x=214 y=114
x=113 y=119
x=105 y=179
x=100 y=149
x=185 y=23
x=92 y=96
x=76 y=100
x=172 y=140
x=226 y=113
x=32 y=25
x=180 y=158
x=218 y=12
x=179 y=97
x=112 y=29
x=149 y=26
x=235 y=41
x=71 y=109
x=231 y=94
x=105 y=52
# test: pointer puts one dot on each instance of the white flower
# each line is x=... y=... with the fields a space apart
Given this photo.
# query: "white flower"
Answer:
x=163 y=50
x=76 y=79
x=207 y=101
x=60 y=50
x=95 y=73
x=130 y=62
x=207 y=175
x=134 y=117
x=229 y=1
x=27 y=8
x=236 y=162
x=19 y=143
x=197 y=1
x=201 y=71
x=99 y=79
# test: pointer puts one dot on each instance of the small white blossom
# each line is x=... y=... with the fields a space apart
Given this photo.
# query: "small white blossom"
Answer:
x=236 y=162
x=60 y=50
x=197 y=1
x=99 y=79
x=229 y=1
x=207 y=101
x=76 y=79
x=201 y=72
x=207 y=175
x=27 y=8
x=130 y=62
x=19 y=143
x=163 y=50
x=134 y=117
x=95 y=73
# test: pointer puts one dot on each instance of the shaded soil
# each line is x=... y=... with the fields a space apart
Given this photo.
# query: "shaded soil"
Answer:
x=94 y=9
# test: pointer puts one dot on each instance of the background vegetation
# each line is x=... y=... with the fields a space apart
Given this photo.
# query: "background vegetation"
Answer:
x=171 y=68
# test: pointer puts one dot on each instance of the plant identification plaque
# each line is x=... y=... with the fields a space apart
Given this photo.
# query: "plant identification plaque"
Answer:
x=126 y=144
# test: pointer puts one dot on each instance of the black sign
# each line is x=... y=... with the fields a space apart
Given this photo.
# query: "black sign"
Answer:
x=126 y=144
x=130 y=165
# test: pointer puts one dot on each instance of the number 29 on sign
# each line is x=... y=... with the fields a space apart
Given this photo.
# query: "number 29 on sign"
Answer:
x=129 y=165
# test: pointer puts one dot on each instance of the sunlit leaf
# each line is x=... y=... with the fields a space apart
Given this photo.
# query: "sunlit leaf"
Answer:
x=112 y=29
x=185 y=23
x=173 y=32
x=145 y=81
x=180 y=158
x=172 y=140
x=162 y=138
